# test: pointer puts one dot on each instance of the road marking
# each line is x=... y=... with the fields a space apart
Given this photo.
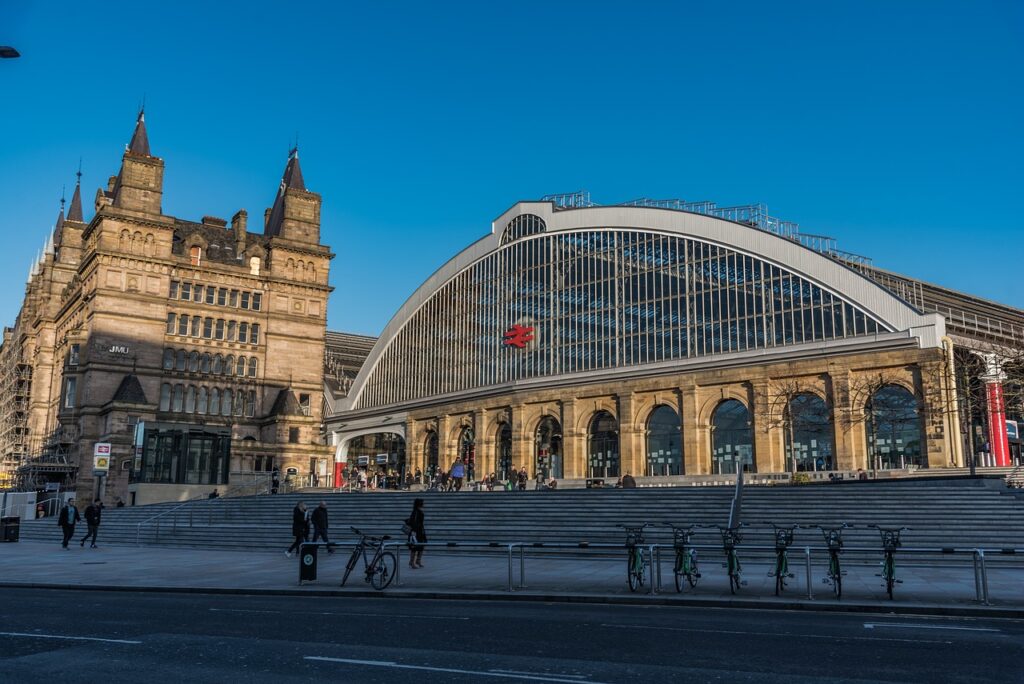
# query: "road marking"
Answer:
x=774 y=634
x=346 y=614
x=70 y=638
x=872 y=625
x=574 y=676
x=537 y=677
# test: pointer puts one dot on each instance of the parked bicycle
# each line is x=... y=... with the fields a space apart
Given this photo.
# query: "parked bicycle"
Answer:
x=378 y=571
x=890 y=542
x=685 y=568
x=731 y=537
x=635 y=563
x=783 y=540
x=834 y=541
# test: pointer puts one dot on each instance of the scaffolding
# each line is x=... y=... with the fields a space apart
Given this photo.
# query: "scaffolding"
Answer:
x=15 y=388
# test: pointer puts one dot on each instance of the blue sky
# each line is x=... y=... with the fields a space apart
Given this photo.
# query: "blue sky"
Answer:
x=895 y=127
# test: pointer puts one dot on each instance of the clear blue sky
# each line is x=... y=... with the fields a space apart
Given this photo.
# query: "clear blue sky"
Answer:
x=893 y=126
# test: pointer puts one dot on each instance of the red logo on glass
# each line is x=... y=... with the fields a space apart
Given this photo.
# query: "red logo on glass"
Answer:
x=517 y=336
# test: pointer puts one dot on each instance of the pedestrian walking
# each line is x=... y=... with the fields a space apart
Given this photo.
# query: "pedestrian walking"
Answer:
x=214 y=494
x=275 y=480
x=319 y=519
x=92 y=519
x=419 y=476
x=417 y=534
x=628 y=482
x=69 y=515
x=458 y=472
x=524 y=477
x=538 y=481
x=300 y=528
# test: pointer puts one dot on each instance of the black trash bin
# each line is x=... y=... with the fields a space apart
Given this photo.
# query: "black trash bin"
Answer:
x=10 y=528
x=307 y=562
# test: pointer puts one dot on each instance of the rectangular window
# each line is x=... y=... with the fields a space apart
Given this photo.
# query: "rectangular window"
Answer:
x=196 y=323
x=73 y=355
x=197 y=293
x=174 y=289
x=186 y=291
x=165 y=397
x=183 y=325
x=171 y=318
x=70 y=386
x=245 y=300
x=222 y=296
x=257 y=299
x=304 y=404
x=207 y=328
x=232 y=327
x=243 y=331
x=211 y=293
x=254 y=333
x=220 y=329
x=293 y=435
x=233 y=299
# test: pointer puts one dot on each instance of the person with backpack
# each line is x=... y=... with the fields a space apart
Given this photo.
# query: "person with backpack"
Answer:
x=417 y=534
x=69 y=515
x=92 y=519
x=300 y=528
x=319 y=519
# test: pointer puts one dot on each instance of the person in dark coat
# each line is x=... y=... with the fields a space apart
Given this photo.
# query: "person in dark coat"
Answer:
x=628 y=482
x=417 y=536
x=523 y=478
x=69 y=515
x=319 y=520
x=300 y=528
x=92 y=519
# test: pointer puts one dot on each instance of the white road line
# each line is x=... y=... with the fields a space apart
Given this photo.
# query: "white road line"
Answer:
x=901 y=625
x=574 y=676
x=773 y=634
x=346 y=614
x=69 y=638
x=537 y=677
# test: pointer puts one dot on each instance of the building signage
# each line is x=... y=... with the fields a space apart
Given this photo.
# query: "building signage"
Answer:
x=518 y=336
x=119 y=349
x=101 y=458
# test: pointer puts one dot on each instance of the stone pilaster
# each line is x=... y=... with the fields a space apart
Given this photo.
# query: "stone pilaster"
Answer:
x=767 y=458
x=573 y=442
x=694 y=435
x=630 y=451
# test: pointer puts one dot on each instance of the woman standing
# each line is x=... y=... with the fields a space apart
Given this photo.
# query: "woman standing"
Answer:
x=417 y=536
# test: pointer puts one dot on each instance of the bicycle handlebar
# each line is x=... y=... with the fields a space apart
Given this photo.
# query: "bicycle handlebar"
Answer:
x=890 y=529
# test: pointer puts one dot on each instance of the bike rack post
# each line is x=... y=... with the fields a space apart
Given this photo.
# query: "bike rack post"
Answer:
x=977 y=578
x=656 y=570
x=510 y=568
x=398 y=565
x=984 y=577
x=650 y=551
x=807 y=557
x=522 y=566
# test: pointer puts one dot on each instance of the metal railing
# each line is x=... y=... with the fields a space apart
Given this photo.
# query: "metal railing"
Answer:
x=257 y=487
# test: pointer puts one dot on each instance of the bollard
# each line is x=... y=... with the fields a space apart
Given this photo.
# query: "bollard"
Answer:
x=658 y=568
x=977 y=578
x=510 y=567
x=807 y=557
x=398 y=565
x=650 y=552
x=984 y=577
x=522 y=567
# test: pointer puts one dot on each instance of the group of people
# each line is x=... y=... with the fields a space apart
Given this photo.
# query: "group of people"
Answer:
x=518 y=479
x=69 y=517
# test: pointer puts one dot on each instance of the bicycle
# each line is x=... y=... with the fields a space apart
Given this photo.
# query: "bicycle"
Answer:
x=834 y=541
x=890 y=542
x=783 y=540
x=686 y=557
x=381 y=569
x=730 y=538
x=635 y=563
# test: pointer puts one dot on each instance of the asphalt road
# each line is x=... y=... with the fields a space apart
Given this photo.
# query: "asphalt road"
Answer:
x=83 y=636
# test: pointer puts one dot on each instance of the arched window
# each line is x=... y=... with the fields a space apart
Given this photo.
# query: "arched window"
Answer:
x=197 y=325
x=232 y=328
x=179 y=360
x=239 y=404
x=168 y=359
x=432 y=454
x=190 y=400
x=218 y=364
x=252 y=367
x=204 y=364
x=664 y=442
x=193 y=362
x=732 y=438
x=894 y=429
x=603 y=445
x=214 y=401
x=202 y=401
x=165 y=397
x=548 y=439
x=225 y=403
x=195 y=255
x=229 y=365
x=179 y=398
x=240 y=366
x=807 y=430
x=504 y=452
x=467 y=450
x=250 y=403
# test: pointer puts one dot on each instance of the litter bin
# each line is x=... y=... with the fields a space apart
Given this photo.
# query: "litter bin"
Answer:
x=307 y=563
x=595 y=483
x=10 y=528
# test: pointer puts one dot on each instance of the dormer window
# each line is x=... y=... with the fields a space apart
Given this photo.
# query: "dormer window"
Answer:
x=254 y=265
x=195 y=255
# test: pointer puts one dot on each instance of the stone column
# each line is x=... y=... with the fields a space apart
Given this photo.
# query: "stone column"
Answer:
x=445 y=452
x=629 y=449
x=521 y=442
x=847 y=423
x=484 y=435
x=573 y=443
x=695 y=435
x=414 y=438
x=995 y=411
x=766 y=444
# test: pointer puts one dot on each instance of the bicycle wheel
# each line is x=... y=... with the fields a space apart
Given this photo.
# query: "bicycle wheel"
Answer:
x=734 y=578
x=693 y=575
x=383 y=571
x=780 y=573
x=679 y=570
x=632 y=573
x=837 y=577
x=889 y=572
x=350 y=566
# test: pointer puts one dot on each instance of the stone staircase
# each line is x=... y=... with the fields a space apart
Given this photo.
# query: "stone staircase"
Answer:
x=942 y=513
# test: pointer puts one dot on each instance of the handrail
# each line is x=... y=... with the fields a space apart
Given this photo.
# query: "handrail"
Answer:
x=228 y=493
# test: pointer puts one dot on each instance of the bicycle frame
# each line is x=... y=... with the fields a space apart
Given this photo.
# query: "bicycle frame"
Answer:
x=635 y=564
x=834 y=541
x=890 y=542
x=731 y=537
x=783 y=540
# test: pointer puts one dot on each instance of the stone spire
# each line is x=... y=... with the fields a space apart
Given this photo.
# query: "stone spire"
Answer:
x=288 y=218
x=139 y=185
x=75 y=210
x=60 y=216
x=140 y=141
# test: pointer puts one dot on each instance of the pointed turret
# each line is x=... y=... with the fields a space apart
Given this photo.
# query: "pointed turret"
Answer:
x=140 y=141
x=75 y=210
x=60 y=217
x=296 y=211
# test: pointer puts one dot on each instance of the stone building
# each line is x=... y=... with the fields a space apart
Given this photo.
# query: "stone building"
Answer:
x=194 y=348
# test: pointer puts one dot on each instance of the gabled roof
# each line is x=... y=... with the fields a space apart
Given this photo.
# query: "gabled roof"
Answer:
x=285 y=404
x=292 y=179
x=130 y=391
x=140 y=141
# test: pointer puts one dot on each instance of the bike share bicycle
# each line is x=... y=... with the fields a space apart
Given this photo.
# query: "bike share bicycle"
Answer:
x=783 y=540
x=685 y=567
x=381 y=569
x=635 y=563
x=731 y=537
x=834 y=541
x=890 y=542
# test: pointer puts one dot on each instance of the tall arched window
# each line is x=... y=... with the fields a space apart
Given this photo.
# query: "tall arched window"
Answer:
x=214 y=401
x=168 y=359
x=179 y=360
x=548 y=439
x=467 y=451
x=218 y=364
x=664 y=442
x=193 y=362
x=732 y=438
x=179 y=398
x=197 y=324
x=603 y=445
x=229 y=365
x=240 y=366
x=432 y=454
x=225 y=403
x=504 y=451
x=252 y=367
x=894 y=429
x=204 y=364
x=202 y=401
x=807 y=428
x=165 y=397
x=190 y=399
